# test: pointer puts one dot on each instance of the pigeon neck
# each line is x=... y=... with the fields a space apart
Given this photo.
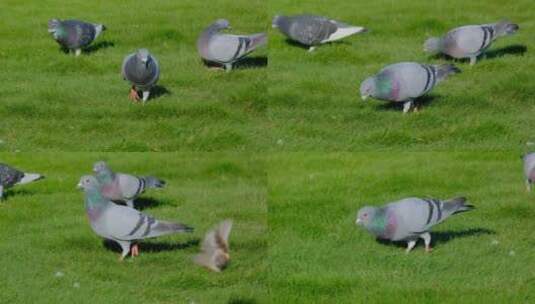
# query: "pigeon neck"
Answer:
x=59 y=33
x=94 y=199
x=379 y=222
x=105 y=177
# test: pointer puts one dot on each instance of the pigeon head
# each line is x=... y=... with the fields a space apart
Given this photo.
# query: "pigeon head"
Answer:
x=55 y=28
x=87 y=182
x=367 y=88
x=143 y=55
x=505 y=27
x=222 y=24
x=53 y=25
x=365 y=216
x=100 y=166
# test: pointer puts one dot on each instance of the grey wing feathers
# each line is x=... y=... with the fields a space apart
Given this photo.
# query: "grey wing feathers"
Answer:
x=124 y=223
x=141 y=76
x=9 y=175
x=81 y=33
x=227 y=48
x=126 y=60
x=439 y=210
x=312 y=30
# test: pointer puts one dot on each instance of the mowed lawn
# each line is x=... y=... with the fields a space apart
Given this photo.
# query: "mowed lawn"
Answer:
x=318 y=255
x=53 y=101
x=314 y=99
x=51 y=255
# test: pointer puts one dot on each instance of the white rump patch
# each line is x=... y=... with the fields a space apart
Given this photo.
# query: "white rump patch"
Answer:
x=344 y=32
x=29 y=177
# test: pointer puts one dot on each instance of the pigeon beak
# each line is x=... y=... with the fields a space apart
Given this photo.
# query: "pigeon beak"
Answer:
x=79 y=186
x=364 y=97
x=51 y=30
x=358 y=221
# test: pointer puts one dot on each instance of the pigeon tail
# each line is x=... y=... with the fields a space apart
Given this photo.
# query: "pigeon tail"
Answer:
x=153 y=182
x=458 y=205
x=30 y=177
x=164 y=226
x=344 y=31
x=433 y=45
x=505 y=27
x=444 y=70
x=258 y=40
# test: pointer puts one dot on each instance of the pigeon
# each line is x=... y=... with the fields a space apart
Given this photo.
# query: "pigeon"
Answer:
x=529 y=169
x=313 y=30
x=225 y=49
x=74 y=34
x=142 y=70
x=409 y=219
x=123 y=187
x=469 y=41
x=403 y=82
x=10 y=176
x=215 y=249
x=122 y=224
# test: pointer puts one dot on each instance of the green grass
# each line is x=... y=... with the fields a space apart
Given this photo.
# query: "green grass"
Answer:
x=318 y=255
x=280 y=136
x=44 y=230
x=301 y=101
x=52 y=101
x=314 y=98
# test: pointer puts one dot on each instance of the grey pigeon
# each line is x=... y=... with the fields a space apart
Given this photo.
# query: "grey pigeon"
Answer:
x=403 y=82
x=10 y=176
x=74 y=35
x=313 y=30
x=409 y=219
x=529 y=169
x=215 y=253
x=469 y=41
x=122 y=224
x=123 y=187
x=142 y=70
x=225 y=49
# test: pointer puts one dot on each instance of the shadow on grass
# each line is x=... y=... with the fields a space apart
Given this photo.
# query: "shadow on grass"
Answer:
x=241 y=301
x=146 y=202
x=420 y=102
x=91 y=48
x=244 y=63
x=296 y=44
x=16 y=192
x=306 y=47
x=158 y=91
x=152 y=246
x=252 y=62
x=515 y=49
x=99 y=45
x=442 y=237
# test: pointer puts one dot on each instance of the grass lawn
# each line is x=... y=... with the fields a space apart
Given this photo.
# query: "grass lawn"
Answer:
x=318 y=255
x=44 y=230
x=288 y=150
x=314 y=100
x=52 y=101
